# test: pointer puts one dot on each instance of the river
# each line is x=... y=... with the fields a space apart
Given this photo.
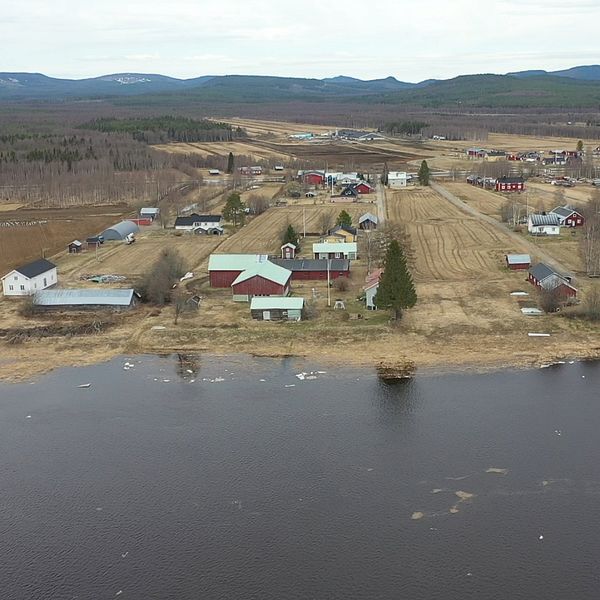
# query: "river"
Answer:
x=205 y=478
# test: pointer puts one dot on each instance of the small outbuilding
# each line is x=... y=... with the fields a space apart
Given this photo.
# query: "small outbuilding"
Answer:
x=75 y=247
x=518 y=262
x=149 y=213
x=367 y=221
x=94 y=242
x=544 y=278
x=288 y=250
x=120 y=231
x=263 y=279
x=371 y=287
x=276 y=309
x=340 y=233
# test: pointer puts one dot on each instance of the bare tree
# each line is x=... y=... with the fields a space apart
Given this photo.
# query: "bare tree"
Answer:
x=549 y=300
x=258 y=204
x=589 y=242
x=326 y=221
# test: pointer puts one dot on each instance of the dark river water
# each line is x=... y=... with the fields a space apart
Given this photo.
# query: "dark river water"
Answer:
x=182 y=478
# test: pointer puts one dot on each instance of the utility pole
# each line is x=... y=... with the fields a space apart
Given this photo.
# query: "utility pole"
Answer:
x=328 y=285
x=303 y=222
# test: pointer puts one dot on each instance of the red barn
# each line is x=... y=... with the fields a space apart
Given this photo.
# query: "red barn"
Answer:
x=312 y=177
x=363 y=188
x=310 y=269
x=568 y=216
x=544 y=278
x=510 y=184
x=263 y=279
x=223 y=269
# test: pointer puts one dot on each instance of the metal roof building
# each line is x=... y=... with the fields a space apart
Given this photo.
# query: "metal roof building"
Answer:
x=84 y=298
x=266 y=270
x=538 y=220
x=276 y=309
x=120 y=231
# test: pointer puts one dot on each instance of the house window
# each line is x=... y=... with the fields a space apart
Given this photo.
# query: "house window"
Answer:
x=11 y=288
x=45 y=283
x=22 y=288
x=16 y=277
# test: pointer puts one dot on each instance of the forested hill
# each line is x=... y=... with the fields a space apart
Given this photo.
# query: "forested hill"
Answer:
x=573 y=88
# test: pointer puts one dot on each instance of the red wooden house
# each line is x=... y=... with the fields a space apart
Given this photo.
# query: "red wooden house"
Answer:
x=312 y=177
x=510 y=184
x=568 y=216
x=363 y=188
x=544 y=278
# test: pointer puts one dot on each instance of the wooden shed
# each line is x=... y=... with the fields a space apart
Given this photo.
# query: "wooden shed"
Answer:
x=277 y=309
x=75 y=247
x=518 y=262
x=288 y=250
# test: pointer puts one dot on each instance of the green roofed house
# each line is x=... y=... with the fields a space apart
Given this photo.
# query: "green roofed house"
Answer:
x=84 y=298
x=276 y=309
x=346 y=250
x=262 y=279
x=223 y=269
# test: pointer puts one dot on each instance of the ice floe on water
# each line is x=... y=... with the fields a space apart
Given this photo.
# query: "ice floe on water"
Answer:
x=309 y=375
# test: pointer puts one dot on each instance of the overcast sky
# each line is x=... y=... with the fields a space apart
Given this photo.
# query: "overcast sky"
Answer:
x=306 y=38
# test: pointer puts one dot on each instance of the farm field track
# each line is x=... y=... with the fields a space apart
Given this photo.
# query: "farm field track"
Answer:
x=222 y=149
x=118 y=258
x=449 y=245
x=263 y=234
x=258 y=127
x=48 y=231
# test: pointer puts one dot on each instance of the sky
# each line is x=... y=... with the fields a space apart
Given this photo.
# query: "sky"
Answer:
x=411 y=41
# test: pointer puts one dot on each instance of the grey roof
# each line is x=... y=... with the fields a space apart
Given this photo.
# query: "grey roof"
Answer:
x=346 y=228
x=368 y=217
x=120 y=231
x=84 y=297
x=75 y=243
x=276 y=302
x=149 y=211
x=518 y=259
x=312 y=264
x=538 y=220
x=541 y=271
x=553 y=281
x=35 y=268
x=563 y=211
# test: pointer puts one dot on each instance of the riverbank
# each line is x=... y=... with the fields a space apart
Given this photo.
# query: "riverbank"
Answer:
x=330 y=340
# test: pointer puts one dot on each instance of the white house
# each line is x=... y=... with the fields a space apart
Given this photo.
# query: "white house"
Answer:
x=30 y=278
x=397 y=179
x=196 y=222
x=371 y=288
x=543 y=224
x=335 y=250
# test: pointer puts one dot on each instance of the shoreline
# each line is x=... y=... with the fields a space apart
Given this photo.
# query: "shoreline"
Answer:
x=24 y=364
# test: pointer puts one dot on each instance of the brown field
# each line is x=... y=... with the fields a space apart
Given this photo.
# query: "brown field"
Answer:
x=263 y=234
x=259 y=128
x=222 y=149
x=19 y=245
x=118 y=258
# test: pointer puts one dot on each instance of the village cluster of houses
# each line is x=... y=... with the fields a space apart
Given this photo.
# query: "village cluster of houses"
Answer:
x=266 y=281
x=351 y=183
x=500 y=184
x=351 y=135
x=554 y=157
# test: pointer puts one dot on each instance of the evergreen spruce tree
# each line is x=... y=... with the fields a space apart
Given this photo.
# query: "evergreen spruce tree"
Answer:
x=234 y=210
x=396 y=288
x=344 y=219
x=230 y=163
x=424 y=173
x=290 y=236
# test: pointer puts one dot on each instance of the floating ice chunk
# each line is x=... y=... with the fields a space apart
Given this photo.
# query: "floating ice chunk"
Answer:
x=541 y=537
x=28 y=417
x=289 y=385
x=84 y=385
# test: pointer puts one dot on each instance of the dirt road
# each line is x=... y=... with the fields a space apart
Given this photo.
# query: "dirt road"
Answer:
x=519 y=239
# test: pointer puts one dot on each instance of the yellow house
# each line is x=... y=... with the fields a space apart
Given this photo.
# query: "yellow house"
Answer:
x=339 y=234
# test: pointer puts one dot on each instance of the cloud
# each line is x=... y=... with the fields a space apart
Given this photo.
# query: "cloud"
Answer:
x=310 y=38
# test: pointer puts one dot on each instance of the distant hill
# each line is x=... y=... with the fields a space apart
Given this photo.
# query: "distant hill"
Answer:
x=585 y=73
x=578 y=87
